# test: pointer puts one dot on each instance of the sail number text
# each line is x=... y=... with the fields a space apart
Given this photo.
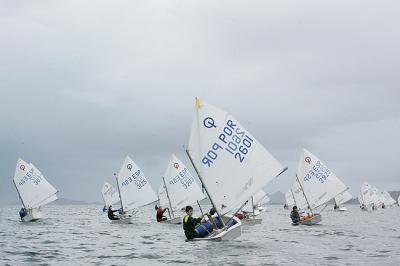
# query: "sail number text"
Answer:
x=233 y=139
x=319 y=171
x=184 y=178
x=31 y=175
x=137 y=178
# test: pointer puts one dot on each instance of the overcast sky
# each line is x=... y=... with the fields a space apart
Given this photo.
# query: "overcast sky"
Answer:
x=83 y=84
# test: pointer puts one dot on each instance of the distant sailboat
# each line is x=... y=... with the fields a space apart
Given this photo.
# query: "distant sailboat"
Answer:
x=289 y=199
x=33 y=189
x=252 y=208
x=318 y=183
x=386 y=199
x=231 y=164
x=110 y=195
x=134 y=190
x=178 y=189
x=341 y=199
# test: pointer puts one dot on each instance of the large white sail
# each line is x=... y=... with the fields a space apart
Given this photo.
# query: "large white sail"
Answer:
x=110 y=194
x=289 y=200
x=135 y=190
x=319 y=183
x=343 y=197
x=230 y=160
x=181 y=185
x=33 y=188
x=376 y=197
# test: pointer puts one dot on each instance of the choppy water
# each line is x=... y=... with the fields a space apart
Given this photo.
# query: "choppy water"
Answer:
x=83 y=235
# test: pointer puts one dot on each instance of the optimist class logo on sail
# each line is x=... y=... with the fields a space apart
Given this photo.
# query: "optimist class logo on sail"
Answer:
x=233 y=139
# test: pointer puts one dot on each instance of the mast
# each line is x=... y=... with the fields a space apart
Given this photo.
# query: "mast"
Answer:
x=169 y=200
x=119 y=193
x=302 y=190
x=205 y=188
x=252 y=204
x=19 y=195
x=294 y=199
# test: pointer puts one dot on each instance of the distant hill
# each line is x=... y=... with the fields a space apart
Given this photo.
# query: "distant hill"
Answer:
x=277 y=198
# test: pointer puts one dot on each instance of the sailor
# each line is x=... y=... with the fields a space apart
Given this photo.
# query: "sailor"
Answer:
x=160 y=213
x=104 y=208
x=23 y=213
x=335 y=207
x=111 y=214
x=285 y=206
x=189 y=223
x=294 y=215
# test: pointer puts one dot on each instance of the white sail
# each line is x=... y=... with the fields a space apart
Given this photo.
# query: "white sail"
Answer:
x=181 y=185
x=365 y=197
x=398 y=200
x=33 y=188
x=135 y=190
x=298 y=196
x=260 y=198
x=376 y=197
x=343 y=197
x=289 y=200
x=162 y=196
x=231 y=162
x=387 y=199
x=110 y=194
x=319 y=183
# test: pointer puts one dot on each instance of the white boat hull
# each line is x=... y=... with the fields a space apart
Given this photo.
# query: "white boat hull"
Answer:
x=311 y=221
x=123 y=219
x=223 y=235
x=341 y=209
x=32 y=216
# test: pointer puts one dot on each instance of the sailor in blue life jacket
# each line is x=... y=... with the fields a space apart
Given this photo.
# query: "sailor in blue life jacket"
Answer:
x=104 y=208
x=111 y=214
x=294 y=215
x=189 y=223
x=23 y=213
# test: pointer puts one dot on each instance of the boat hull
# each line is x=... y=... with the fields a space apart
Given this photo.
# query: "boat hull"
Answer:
x=230 y=233
x=313 y=220
x=123 y=219
x=32 y=216
x=341 y=209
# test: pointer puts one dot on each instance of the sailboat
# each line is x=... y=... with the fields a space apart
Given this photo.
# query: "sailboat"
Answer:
x=366 y=197
x=289 y=199
x=251 y=209
x=231 y=164
x=110 y=194
x=318 y=184
x=134 y=190
x=341 y=199
x=387 y=200
x=178 y=189
x=33 y=189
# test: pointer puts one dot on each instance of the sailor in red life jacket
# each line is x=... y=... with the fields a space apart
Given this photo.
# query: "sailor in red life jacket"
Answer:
x=160 y=213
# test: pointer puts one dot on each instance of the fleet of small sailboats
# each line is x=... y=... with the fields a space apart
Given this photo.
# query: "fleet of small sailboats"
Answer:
x=232 y=167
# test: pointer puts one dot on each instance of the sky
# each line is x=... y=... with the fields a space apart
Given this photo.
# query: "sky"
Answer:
x=83 y=84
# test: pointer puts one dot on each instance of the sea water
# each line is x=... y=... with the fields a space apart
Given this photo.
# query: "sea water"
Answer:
x=83 y=235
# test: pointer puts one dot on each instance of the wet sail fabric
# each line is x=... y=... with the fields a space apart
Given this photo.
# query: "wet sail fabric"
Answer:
x=289 y=200
x=33 y=188
x=135 y=190
x=110 y=194
x=319 y=183
x=230 y=160
x=343 y=197
x=181 y=185
x=162 y=196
